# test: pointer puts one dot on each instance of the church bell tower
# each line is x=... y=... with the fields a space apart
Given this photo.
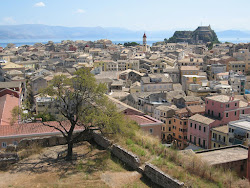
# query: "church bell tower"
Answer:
x=144 y=43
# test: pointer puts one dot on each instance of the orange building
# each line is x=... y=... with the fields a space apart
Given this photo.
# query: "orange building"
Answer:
x=180 y=128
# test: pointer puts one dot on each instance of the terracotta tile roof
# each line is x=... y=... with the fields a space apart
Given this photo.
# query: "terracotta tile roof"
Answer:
x=202 y=119
x=143 y=120
x=221 y=98
x=223 y=129
x=7 y=103
x=196 y=108
x=36 y=129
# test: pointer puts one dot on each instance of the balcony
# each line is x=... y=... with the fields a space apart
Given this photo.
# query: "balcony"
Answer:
x=221 y=142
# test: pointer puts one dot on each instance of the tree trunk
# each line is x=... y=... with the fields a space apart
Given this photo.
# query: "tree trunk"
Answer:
x=69 y=152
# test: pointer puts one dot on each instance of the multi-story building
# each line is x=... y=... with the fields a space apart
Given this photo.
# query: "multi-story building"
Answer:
x=238 y=82
x=219 y=110
x=237 y=66
x=180 y=128
x=199 y=127
x=239 y=131
x=156 y=82
x=165 y=114
x=243 y=55
x=219 y=136
x=197 y=62
x=192 y=82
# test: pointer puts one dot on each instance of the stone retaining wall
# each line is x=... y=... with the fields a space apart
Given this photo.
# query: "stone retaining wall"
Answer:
x=127 y=157
x=7 y=159
x=160 y=178
x=101 y=140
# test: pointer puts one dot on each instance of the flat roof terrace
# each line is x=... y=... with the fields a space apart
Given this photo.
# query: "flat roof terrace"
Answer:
x=224 y=155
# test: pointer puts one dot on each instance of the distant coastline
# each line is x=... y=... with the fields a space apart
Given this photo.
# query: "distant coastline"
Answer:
x=20 y=42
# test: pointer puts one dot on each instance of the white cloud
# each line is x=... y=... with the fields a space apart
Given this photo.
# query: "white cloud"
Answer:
x=40 y=4
x=80 y=11
x=9 y=20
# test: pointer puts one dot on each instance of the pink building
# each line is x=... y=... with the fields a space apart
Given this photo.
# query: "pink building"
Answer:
x=225 y=108
x=199 y=127
x=219 y=110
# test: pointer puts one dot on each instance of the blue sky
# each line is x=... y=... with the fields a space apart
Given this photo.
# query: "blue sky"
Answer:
x=131 y=14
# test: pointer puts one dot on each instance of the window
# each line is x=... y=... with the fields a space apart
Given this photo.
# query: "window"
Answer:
x=212 y=112
x=191 y=124
x=226 y=114
x=219 y=115
x=230 y=130
x=15 y=143
x=212 y=103
x=204 y=129
x=195 y=126
x=221 y=105
x=204 y=143
x=224 y=139
x=194 y=140
x=150 y=131
x=169 y=129
x=243 y=111
x=207 y=102
x=169 y=122
x=208 y=111
x=214 y=145
x=199 y=141
x=174 y=120
x=190 y=138
x=185 y=123
x=235 y=104
x=4 y=144
x=199 y=127
x=173 y=134
x=235 y=113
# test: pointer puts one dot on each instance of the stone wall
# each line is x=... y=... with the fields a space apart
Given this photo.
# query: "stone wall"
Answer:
x=127 y=157
x=101 y=140
x=7 y=159
x=49 y=141
x=160 y=178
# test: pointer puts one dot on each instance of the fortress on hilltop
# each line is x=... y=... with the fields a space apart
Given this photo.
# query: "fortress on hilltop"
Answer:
x=202 y=34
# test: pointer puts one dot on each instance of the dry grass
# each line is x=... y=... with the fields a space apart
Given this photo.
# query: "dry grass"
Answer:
x=187 y=168
x=42 y=169
x=31 y=150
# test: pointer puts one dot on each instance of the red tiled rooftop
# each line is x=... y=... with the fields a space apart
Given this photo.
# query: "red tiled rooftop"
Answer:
x=35 y=129
x=7 y=103
x=143 y=119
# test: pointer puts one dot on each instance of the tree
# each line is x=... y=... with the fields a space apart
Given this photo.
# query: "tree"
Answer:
x=131 y=44
x=82 y=103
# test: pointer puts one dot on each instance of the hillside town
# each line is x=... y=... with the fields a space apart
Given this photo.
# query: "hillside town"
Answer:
x=191 y=96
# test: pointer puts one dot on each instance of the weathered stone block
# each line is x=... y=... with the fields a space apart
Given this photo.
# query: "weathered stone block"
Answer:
x=101 y=140
x=127 y=157
x=160 y=178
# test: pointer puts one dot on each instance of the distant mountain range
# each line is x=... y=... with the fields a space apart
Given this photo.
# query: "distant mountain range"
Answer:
x=37 y=31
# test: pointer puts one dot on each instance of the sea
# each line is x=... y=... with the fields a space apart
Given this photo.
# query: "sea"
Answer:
x=21 y=42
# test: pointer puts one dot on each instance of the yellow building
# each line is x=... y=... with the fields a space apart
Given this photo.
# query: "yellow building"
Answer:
x=219 y=137
x=101 y=64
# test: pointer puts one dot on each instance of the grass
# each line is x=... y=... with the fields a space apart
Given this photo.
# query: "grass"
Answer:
x=31 y=150
x=187 y=168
